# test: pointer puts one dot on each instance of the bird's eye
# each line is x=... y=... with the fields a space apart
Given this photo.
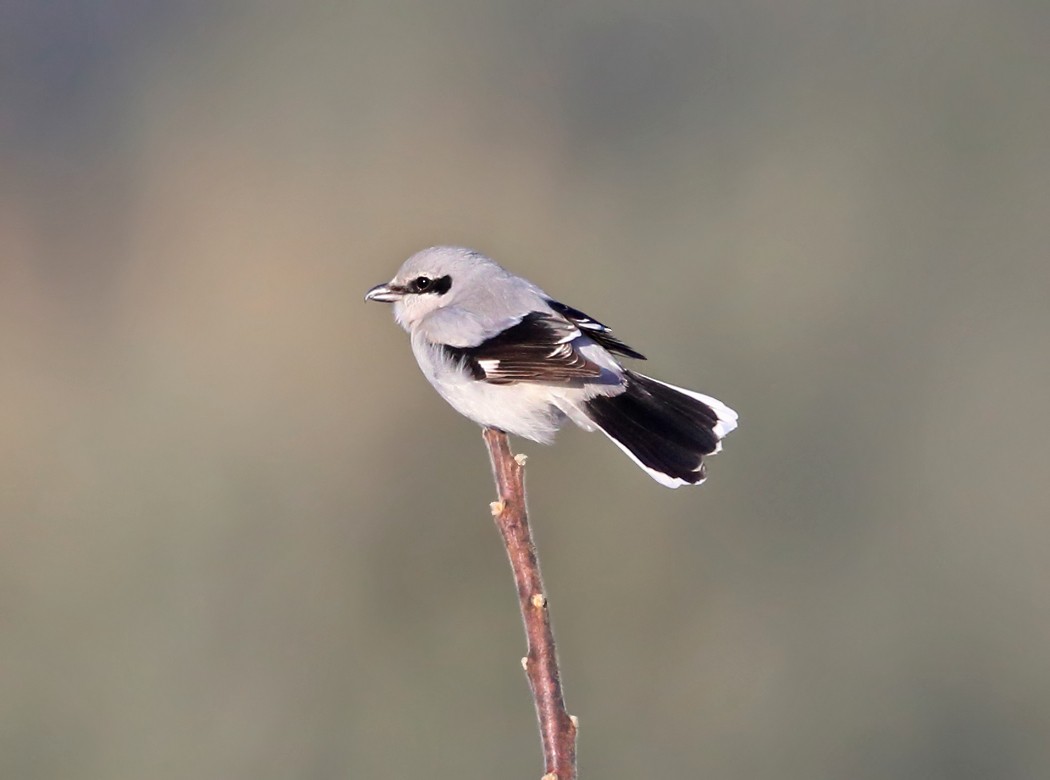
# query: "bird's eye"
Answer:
x=423 y=283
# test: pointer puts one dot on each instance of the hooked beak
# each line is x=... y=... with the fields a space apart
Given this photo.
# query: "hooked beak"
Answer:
x=386 y=293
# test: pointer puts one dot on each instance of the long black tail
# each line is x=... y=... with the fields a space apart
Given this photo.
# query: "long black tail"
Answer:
x=666 y=430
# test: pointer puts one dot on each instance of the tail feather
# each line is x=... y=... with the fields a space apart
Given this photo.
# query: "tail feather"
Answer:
x=666 y=430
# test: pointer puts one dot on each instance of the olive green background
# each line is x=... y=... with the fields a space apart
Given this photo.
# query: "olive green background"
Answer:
x=240 y=537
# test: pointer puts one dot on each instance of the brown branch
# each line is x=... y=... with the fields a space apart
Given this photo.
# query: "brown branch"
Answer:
x=557 y=727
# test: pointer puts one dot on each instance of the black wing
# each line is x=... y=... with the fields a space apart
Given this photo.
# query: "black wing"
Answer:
x=537 y=349
x=594 y=330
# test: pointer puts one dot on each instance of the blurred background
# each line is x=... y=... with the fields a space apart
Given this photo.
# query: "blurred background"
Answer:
x=241 y=536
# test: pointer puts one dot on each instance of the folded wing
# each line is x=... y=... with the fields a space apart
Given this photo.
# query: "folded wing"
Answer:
x=540 y=348
x=595 y=330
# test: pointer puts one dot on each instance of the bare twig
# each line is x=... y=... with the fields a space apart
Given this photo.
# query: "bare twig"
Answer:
x=557 y=727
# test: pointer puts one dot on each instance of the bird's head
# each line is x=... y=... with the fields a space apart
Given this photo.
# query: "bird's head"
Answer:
x=434 y=279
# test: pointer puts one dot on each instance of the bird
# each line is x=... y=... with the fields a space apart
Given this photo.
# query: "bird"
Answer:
x=508 y=356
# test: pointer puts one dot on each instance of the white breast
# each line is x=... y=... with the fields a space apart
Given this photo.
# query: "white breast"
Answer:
x=523 y=409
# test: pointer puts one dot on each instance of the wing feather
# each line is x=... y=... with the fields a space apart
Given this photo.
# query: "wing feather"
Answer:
x=595 y=330
x=540 y=348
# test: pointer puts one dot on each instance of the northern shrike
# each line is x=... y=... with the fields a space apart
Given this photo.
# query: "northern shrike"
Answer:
x=508 y=356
